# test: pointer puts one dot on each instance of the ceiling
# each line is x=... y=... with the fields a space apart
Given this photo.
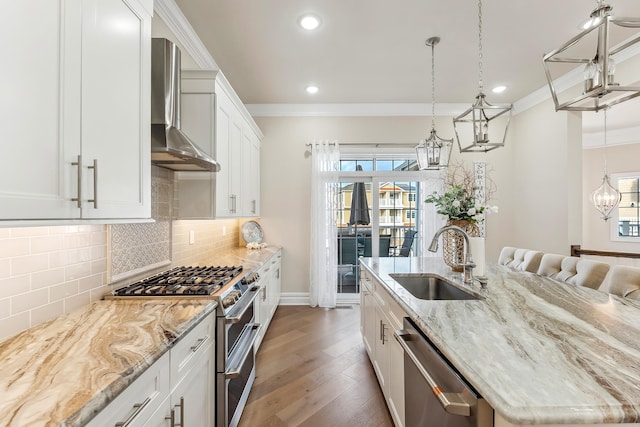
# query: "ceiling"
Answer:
x=373 y=51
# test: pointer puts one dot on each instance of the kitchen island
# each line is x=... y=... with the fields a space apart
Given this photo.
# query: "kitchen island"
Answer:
x=540 y=352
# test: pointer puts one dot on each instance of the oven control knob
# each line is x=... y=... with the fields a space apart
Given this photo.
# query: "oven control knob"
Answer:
x=228 y=301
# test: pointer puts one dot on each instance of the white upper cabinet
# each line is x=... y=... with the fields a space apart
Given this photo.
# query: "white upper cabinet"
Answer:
x=76 y=87
x=116 y=99
x=215 y=119
x=251 y=177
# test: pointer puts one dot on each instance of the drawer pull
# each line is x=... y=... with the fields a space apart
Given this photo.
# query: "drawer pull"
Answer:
x=138 y=407
x=199 y=343
x=78 y=199
x=173 y=414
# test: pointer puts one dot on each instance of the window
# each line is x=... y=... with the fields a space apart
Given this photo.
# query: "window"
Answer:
x=412 y=197
x=626 y=218
x=411 y=214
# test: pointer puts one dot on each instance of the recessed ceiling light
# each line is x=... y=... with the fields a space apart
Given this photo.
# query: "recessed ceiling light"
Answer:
x=312 y=90
x=499 y=89
x=309 y=22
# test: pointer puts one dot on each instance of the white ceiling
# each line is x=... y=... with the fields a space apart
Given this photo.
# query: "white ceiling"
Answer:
x=373 y=51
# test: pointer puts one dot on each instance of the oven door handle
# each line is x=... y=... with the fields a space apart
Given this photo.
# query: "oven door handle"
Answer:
x=453 y=403
x=241 y=354
x=237 y=317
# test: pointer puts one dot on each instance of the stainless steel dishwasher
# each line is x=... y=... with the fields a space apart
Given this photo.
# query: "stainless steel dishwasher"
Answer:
x=435 y=394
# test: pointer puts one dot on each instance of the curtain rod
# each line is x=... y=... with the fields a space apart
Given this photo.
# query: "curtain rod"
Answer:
x=368 y=144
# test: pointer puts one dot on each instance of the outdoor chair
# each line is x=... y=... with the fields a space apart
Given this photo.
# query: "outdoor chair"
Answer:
x=409 y=236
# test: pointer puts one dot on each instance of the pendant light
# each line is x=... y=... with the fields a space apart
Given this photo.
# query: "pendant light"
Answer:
x=605 y=198
x=434 y=152
x=601 y=90
x=472 y=126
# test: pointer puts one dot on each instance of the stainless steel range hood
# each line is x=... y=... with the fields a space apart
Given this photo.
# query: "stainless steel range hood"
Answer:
x=170 y=148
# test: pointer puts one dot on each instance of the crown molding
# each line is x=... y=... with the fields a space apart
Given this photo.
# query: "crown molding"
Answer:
x=171 y=14
x=353 y=110
x=615 y=137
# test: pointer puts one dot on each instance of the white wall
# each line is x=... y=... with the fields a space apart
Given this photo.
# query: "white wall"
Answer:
x=546 y=191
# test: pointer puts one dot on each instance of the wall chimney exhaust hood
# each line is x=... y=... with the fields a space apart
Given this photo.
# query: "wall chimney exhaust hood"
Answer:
x=170 y=148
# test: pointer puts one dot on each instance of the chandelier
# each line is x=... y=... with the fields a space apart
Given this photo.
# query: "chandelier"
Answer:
x=472 y=126
x=601 y=88
x=434 y=152
x=605 y=198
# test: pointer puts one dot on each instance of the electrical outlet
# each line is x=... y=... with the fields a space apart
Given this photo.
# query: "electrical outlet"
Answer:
x=192 y=237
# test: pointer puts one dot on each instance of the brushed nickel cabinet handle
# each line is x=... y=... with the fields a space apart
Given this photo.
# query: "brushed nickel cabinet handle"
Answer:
x=138 y=407
x=78 y=163
x=194 y=348
x=95 y=184
x=181 y=412
x=253 y=209
x=173 y=414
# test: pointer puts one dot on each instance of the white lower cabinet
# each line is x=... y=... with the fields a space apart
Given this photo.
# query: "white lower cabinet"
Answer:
x=267 y=302
x=177 y=390
x=138 y=402
x=380 y=317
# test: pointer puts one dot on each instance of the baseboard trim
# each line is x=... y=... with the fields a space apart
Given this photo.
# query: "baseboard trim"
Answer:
x=302 y=298
x=294 y=298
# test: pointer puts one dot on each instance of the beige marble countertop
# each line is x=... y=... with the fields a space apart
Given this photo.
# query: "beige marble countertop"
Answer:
x=539 y=351
x=65 y=371
x=250 y=259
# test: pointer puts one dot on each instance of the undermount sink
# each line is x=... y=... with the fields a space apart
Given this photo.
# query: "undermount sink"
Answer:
x=430 y=287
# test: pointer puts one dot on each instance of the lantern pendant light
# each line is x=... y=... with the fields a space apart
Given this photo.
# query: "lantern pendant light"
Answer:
x=601 y=88
x=605 y=198
x=473 y=125
x=433 y=152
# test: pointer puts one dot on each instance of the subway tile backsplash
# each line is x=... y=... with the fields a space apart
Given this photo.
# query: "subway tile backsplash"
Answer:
x=49 y=271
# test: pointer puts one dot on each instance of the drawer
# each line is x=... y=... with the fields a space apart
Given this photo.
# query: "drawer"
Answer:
x=390 y=306
x=365 y=281
x=140 y=400
x=187 y=350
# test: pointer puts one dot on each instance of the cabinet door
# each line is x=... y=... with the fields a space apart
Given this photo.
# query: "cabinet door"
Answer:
x=395 y=399
x=140 y=401
x=369 y=328
x=40 y=108
x=251 y=173
x=381 y=349
x=193 y=400
x=224 y=123
x=229 y=153
x=196 y=191
x=116 y=67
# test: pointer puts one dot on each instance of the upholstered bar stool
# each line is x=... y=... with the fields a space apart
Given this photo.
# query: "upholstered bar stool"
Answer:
x=520 y=259
x=624 y=281
x=574 y=270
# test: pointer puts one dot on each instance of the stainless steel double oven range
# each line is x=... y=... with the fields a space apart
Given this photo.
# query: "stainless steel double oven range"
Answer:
x=235 y=291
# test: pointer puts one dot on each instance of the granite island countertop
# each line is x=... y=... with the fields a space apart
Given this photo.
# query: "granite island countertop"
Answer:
x=539 y=351
x=65 y=371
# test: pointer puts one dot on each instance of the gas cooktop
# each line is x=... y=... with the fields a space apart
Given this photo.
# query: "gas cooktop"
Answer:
x=182 y=281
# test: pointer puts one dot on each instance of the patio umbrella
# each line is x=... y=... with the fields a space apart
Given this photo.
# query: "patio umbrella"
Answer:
x=359 y=205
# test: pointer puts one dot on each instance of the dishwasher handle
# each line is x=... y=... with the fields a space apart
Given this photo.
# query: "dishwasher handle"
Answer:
x=453 y=403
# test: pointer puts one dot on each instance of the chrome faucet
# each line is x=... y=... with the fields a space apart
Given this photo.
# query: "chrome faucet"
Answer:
x=468 y=264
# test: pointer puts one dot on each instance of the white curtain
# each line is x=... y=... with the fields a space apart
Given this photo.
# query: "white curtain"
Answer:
x=431 y=220
x=323 y=287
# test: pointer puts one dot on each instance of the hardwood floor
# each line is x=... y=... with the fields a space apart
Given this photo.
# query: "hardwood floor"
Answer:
x=312 y=370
